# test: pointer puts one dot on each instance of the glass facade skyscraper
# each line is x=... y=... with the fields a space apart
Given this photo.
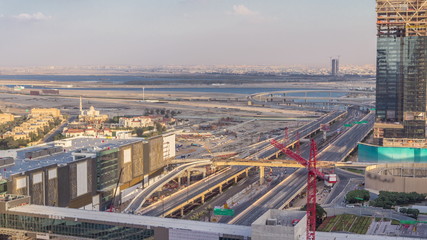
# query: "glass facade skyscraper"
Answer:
x=401 y=72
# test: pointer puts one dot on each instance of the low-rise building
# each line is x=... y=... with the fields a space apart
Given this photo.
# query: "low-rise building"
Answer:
x=92 y=115
x=38 y=119
x=85 y=172
x=135 y=122
x=6 y=117
x=89 y=131
x=39 y=112
x=169 y=150
x=74 y=132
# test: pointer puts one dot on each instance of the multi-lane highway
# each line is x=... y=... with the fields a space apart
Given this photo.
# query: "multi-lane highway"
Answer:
x=190 y=192
x=273 y=199
x=346 y=178
x=335 y=151
x=341 y=147
x=139 y=200
x=266 y=150
x=197 y=188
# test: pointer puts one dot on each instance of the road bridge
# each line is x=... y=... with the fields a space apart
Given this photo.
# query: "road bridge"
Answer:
x=196 y=194
x=310 y=102
x=287 y=163
x=291 y=187
x=307 y=131
x=191 y=199
x=285 y=94
x=140 y=199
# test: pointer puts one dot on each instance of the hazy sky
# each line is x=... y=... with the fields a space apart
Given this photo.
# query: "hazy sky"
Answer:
x=190 y=32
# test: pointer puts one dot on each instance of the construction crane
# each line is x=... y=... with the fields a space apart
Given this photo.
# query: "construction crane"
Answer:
x=112 y=207
x=285 y=140
x=313 y=173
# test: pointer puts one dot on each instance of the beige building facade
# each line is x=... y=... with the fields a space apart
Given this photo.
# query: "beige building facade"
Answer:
x=397 y=177
x=6 y=117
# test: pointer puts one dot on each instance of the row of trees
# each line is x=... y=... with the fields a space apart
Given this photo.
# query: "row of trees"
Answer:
x=10 y=143
x=140 y=131
x=410 y=212
x=165 y=112
x=389 y=199
x=158 y=111
x=357 y=196
x=5 y=127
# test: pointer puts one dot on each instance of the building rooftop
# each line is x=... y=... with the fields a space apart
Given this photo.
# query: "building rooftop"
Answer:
x=129 y=219
x=280 y=217
x=23 y=164
x=11 y=197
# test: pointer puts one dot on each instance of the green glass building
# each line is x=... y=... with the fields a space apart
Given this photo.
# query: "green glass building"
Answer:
x=401 y=70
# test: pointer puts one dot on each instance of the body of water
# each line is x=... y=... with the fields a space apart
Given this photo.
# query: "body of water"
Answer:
x=212 y=89
x=121 y=79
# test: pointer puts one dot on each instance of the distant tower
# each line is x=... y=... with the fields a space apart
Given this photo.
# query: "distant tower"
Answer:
x=335 y=66
x=81 y=106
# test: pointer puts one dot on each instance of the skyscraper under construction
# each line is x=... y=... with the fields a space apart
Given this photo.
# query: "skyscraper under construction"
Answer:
x=401 y=73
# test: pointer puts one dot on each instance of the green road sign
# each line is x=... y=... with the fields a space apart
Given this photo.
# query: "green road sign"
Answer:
x=348 y=125
x=411 y=222
x=361 y=122
x=224 y=212
x=358 y=198
x=372 y=109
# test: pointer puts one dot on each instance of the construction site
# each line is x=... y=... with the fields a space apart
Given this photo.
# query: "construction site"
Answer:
x=401 y=85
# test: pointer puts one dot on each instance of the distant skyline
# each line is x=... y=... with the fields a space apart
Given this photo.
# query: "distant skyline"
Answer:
x=186 y=32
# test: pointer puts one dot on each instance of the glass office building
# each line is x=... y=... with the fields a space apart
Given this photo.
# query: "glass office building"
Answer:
x=73 y=228
x=380 y=154
x=21 y=220
x=401 y=70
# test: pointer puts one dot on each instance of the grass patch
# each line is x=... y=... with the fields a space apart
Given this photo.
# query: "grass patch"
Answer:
x=395 y=222
x=346 y=223
x=358 y=171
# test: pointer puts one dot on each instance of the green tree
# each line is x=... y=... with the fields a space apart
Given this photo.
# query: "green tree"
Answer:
x=58 y=137
x=139 y=132
x=390 y=199
x=321 y=214
x=413 y=212
x=355 y=196
x=403 y=210
x=158 y=127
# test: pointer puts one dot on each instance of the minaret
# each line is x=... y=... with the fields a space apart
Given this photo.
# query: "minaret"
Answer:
x=81 y=106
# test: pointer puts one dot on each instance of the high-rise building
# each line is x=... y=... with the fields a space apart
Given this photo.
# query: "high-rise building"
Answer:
x=335 y=66
x=401 y=72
